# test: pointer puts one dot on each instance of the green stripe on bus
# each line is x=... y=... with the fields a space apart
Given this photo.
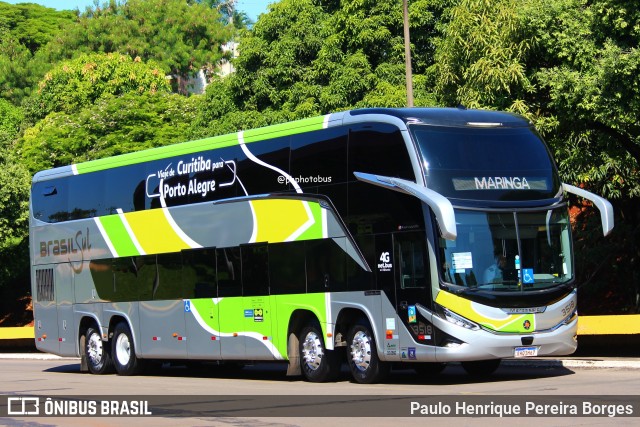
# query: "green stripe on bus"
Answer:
x=117 y=233
x=284 y=129
x=157 y=153
x=192 y=147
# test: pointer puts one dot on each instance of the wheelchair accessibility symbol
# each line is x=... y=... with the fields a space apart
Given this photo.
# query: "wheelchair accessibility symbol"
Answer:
x=187 y=306
x=527 y=275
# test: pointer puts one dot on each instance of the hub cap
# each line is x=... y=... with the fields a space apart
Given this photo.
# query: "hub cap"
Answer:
x=123 y=349
x=312 y=351
x=95 y=349
x=361 y=351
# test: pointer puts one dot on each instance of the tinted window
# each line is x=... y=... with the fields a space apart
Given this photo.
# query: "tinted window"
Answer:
x=255 y=269
x=359 y=279
x=287 y=268
x=199 y=272
x=229 y=272
x=489 y=164
x=374 y=209
x=132 y=276
x=86 y=196
x=49 y=200
x=168 y=279
x=378 y=148
x=326 y=266
x=319 y=157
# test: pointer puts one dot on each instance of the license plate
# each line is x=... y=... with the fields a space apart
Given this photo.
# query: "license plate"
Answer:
x=525 y=351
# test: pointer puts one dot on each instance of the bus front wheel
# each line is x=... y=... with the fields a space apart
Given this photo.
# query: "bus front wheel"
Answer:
x=96 y=352
x=123 y=351
x=317 y=363
x=366 y=367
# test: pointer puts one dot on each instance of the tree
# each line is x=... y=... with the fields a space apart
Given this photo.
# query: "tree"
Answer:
x=480 y=59
x=110 y=126
x=33 y=25
x=24 y=29
x=310 y=57
x=11 y=118
x=14 y=217
x=179 y=36
x=81 y=82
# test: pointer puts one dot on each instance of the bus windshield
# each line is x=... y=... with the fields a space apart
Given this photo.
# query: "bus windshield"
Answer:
x=494 y=164
x=508 y=251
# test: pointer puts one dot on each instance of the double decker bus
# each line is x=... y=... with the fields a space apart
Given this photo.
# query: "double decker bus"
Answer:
x=372 y=237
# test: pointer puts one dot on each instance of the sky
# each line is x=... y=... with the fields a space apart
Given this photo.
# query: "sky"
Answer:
x=252 y=8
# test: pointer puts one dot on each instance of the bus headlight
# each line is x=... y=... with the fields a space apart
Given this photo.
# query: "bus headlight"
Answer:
x=459 y=320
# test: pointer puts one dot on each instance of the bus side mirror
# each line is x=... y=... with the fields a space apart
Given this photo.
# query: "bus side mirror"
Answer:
x=440 y=205
x=603 y=205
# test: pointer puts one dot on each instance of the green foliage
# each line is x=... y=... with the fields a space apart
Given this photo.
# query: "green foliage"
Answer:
x=480 y=60
x=309 y=57
x=179 y=36
x=81 y=82
x=112 y=125
x=33 y=25
x=14 y=216
x=11 y=118
x=591 y=95
x=24 y=29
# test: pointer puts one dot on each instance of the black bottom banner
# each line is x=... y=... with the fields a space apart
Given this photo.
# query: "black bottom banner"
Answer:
x=320 y=406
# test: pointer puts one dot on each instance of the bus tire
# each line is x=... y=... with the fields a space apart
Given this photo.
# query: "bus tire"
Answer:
x=480 y=368
x=97 y=352
x=366 y=367
x=316 y=362
x=123 y=351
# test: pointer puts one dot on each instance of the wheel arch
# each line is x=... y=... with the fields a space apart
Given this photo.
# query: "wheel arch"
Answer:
x=298 y=319
x=119 y=317
x=349 y=316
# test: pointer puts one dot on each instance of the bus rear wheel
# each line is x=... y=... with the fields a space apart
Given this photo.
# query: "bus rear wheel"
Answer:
x=316 y=362
x=480 y=368
x=124 y=355
x=366 y=367
x=96 y=352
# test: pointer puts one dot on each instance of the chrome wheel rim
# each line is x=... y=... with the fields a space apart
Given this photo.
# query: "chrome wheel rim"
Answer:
x=123 y=349
x=312 y=351
x=95 y=349
x=361 y=351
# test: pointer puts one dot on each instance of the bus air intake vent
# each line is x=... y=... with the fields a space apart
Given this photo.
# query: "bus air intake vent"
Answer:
x=44 y=285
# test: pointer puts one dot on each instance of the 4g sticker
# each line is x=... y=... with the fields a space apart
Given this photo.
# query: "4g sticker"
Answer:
x=385 y=263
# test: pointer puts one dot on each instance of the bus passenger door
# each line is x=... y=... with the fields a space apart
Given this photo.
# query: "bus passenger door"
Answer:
x=64 y=280
x=412 y=290
x=45 y=312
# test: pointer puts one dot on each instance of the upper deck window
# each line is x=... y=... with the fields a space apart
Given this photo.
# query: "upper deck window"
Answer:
x=493 y=163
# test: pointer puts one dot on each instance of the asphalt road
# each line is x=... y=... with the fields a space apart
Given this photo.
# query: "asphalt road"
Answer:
x=262 y=383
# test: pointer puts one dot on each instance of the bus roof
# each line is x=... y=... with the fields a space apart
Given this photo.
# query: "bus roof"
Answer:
x=454 y=117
